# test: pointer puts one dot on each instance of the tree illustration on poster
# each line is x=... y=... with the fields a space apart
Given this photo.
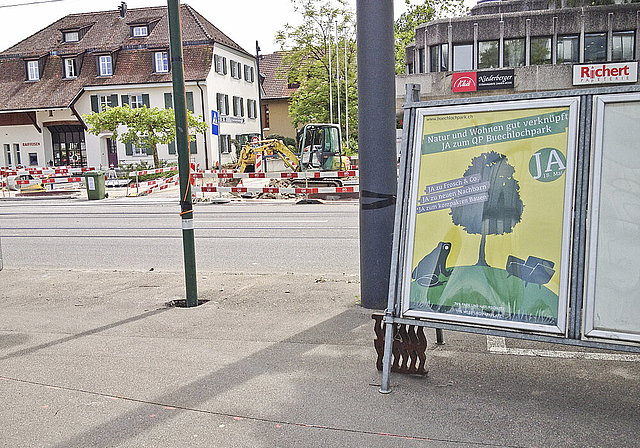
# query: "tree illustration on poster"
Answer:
x=503 y=208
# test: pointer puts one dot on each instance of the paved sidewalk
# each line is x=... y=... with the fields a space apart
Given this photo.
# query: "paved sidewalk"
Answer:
x=95 y=359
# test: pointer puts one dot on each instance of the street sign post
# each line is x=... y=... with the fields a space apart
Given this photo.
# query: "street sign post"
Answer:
x=215 y=122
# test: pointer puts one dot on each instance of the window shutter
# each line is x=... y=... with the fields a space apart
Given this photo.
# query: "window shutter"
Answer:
x=94 y=103
x=114 y=100
x=189 y=101
x=168 y=101
x=128 y=149
x=125 y=99
x=226 y=104
x=235 y=106
x=193 y=147
x=145 y=99
x=172 y=147
x=241 y=101
x=224 y=65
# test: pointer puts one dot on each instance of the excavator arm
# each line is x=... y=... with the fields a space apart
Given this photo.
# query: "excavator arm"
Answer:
x=247 y=157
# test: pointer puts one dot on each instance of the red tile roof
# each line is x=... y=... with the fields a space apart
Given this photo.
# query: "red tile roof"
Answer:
x=107 y=32
x=275 y=84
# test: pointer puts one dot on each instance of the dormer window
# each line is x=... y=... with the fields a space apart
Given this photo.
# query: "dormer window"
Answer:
x=70 y=68
x=33 y=71
x=71 y=36
x=140 y=31
x=105 y=66
x=161 y=59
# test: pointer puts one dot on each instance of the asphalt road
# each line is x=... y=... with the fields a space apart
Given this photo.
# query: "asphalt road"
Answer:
x=141 y=234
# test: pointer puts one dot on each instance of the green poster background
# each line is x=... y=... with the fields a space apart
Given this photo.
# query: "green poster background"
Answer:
x=489 y=215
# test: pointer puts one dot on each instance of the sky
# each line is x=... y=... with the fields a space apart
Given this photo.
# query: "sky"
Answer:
x=244 y=21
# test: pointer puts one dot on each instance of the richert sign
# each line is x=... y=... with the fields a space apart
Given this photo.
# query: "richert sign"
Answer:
x=605 y=73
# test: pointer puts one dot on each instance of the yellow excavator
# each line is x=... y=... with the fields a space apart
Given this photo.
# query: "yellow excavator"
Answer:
x=319 y=149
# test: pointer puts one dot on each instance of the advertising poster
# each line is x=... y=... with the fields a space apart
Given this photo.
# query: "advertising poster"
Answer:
x=490 y=215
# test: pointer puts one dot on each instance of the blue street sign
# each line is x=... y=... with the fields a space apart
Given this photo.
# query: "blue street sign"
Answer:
x=214 y=122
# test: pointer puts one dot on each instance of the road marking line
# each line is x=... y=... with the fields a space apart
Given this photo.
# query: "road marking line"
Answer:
x=267 y=222
x=497 y=345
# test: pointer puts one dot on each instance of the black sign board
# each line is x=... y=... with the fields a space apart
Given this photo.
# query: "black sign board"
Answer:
x=495 y=79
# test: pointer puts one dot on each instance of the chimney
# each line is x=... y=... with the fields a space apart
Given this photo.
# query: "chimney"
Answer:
x=123 y=9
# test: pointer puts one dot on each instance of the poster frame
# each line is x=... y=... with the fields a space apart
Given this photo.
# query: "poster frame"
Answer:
x=575 y=336
x=590 y=331
x=573 y=103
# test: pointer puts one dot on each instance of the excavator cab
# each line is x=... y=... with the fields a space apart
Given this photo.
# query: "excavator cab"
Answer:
x=321 y=147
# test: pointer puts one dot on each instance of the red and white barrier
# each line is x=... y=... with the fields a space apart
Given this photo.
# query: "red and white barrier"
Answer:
x=287 y=190
x=160 y=184
x=284 y=175
x=38 y=172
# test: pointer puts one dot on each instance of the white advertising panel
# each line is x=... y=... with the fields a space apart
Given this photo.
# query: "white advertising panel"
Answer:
x=613 y=277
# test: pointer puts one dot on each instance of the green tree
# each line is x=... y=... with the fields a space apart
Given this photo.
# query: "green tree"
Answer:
x=415 y=15
x=144 y=126
x=503 y=208
x=306 y=63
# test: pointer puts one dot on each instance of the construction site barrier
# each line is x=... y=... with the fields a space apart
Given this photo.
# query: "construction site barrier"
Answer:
x=281 y=175
x=286 y=190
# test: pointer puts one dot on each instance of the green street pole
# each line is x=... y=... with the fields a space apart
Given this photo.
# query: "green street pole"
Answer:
x=182 y=143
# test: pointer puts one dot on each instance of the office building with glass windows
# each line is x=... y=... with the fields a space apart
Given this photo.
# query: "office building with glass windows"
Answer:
x=538 y=45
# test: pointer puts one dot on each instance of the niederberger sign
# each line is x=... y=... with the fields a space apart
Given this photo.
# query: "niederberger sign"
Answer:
x=611 y=73
x=485 y=80
x=496 y=79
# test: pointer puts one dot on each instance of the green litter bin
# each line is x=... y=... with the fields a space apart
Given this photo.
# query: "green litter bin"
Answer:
x=95 y=184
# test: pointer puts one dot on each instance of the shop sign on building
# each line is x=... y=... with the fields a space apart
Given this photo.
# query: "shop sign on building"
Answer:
x=485 y=80
x=605 y=73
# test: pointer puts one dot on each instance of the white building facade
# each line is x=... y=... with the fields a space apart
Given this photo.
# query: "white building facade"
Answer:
x=86 y=62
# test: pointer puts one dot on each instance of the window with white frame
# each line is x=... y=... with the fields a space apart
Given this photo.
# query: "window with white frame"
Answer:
x=71 y=36
x=105 y=66
x=140 y=31
x=248 y=73
x=136 y=101
x=33 y=71
x=139 y=149
x=236 y=69
x=223 y=103
x=162 y=61
x=252 y=111
x=220 y=63
x=104 y=101
x=225 y=143
x=238 y=106
x=70 y=68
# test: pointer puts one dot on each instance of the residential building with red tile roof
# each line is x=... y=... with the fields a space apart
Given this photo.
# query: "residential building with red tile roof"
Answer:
x=85 y=62
x=276 y=97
